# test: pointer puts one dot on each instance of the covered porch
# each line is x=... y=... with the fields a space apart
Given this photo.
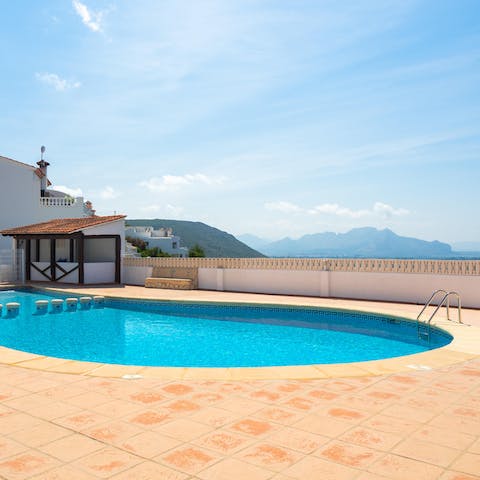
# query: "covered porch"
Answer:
x=83 y=253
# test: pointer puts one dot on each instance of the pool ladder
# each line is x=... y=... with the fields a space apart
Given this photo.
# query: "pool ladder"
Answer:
x=423 y=328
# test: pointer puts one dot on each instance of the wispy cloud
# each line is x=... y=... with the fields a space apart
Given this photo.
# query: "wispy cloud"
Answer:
x=73 y=192
x=282 y=206
x=379 y=209
x=167 y=210
x=109 y=193
x=92 y=20
x=174 y=182
x=58 y=83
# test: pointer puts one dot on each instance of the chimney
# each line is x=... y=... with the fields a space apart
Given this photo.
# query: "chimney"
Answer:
x=42 y=164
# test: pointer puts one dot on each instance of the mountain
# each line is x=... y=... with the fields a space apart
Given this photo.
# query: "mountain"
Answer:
x=253 y=241
x=214 y=242
x=365 y=242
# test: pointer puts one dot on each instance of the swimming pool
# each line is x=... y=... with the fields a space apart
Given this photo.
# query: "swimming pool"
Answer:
x=132 y=332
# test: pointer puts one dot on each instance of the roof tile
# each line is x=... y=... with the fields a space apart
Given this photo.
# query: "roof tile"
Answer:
x=61 y=225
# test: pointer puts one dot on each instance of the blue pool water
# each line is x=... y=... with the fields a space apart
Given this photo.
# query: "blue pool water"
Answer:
x=204 y=335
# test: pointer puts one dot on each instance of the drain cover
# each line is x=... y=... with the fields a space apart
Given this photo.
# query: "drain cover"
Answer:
x=419 y=367
x=132 y=376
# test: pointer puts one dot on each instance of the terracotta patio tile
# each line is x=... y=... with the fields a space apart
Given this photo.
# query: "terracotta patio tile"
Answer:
x=300 y=403
x=370 y=476
x=40 y=434
x=149 y=418
x=222 y=441
x=265 y=395
x=150 y=471
x=240 y=406
x=112 y=432
x=178 y=389
x=82 y=420
x=323 y=425
x=340 y=386
x=298 y=440
x=117 y=408
x=149 y=444
x=215 y=417
x=445 y=437
x=313 y=468
x=347 y=414
x=27 y=402
x=400 y=468
x=416 y=414
x=26 y=464
x=279 y=415
x=182 y=406
x=450 y=475
x=65 y=472
x=206 y=398
x=147 y=397
x=88 y=400
x=231 y=468
x=13 y=422
x=475 y=447
x=467 y=463
x=456 y=423
x=321 y=394
x=72 y=447
x=348 y=454
x=252 y=427
x=9 y=447
x=183 y=429
x=390 y=424
x=188 y=459
x=62 y=392
x=270 y=456
x=53 y=410
x=107 y=462
x=368 y=437
x=426 y=452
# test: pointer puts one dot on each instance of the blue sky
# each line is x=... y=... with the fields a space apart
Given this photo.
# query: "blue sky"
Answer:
x=276 y=118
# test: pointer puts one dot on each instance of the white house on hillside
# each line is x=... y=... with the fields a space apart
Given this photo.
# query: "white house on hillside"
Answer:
x=162 y=238
x=26 y=199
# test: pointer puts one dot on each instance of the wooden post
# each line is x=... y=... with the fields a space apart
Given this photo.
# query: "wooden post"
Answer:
x=53 y=260
x=71 y=249
x=118 y=259
x=81 y=259
x=28 y=259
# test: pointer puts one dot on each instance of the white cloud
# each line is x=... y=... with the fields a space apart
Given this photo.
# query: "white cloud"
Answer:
x=335 y=209
x=93 y=20
x=281 y=206
x=109 y=193
x=59 y=84
x=173 y=182
x=73 y=192
x=388 y=211
x=167 y=210
x=379 y=209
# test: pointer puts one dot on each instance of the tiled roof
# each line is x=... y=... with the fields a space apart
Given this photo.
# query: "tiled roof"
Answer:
x=61 y=225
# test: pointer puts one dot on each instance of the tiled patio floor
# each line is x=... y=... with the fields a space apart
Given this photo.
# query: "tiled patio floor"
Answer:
x=414 y=425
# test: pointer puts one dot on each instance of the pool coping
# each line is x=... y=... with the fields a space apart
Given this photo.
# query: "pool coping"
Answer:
x=464 y=346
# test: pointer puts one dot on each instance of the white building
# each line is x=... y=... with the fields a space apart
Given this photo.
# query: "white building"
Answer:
x=162 y=238
x=72 y=250
x=26 y=199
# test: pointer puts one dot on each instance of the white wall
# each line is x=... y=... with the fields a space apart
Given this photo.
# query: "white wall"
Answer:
x=400 y=287
x=136 y=275
x=99 y=272
x=20 y=200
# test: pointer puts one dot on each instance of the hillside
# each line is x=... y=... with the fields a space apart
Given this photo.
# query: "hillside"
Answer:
x=365 y=242
x=214 y=242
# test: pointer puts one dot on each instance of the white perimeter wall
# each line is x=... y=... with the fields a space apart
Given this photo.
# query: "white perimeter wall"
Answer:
x=401 y=287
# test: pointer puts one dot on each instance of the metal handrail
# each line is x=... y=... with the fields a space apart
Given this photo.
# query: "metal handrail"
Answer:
x=444 y=301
